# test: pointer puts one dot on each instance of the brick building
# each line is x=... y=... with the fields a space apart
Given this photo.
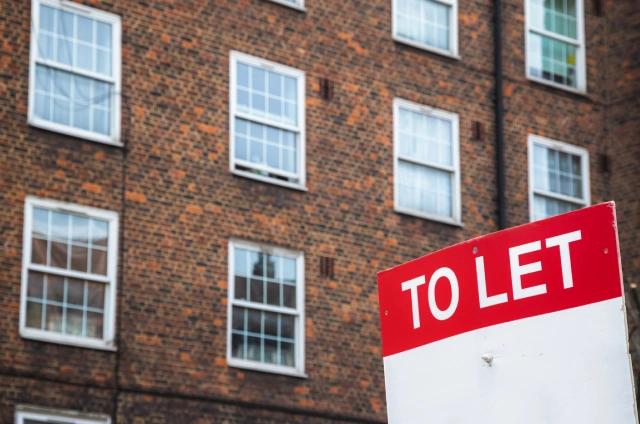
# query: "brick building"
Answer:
x=198 y=194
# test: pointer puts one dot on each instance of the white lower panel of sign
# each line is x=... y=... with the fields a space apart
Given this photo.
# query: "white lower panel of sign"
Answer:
x=570 y=366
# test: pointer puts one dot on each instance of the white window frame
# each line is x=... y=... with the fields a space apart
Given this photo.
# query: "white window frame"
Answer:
x=581 y=71
x=236 y=57
x=115 y=79
x=58 y=416
x=108 y=341
x=561 y=147
x=299 y=4
x=456 y=218
x=298 y=370
x=453 y=31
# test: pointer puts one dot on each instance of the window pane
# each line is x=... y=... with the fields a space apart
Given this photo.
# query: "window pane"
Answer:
x=74 y=322
x=238 y=318
x=35 y=288
x=237 y=346
x=94 y=325
x=79 y=229
x=79 y=256
x=257 y=291
x=98 y=261
x=38 y=251
x=287 y=354
x=557 y=172
x=59 y=254
x=424 y=21
x=552 y=60
x=266 y=94
x=424 y=189
x=40 y=222
x=75 y=292
x=425 y=138
x=53 y=321
x=55 y=288
x=273 y=294
x=544 y=207
x=240 y=289
x=289 y=296
x=73 y=100
x=95 y=295
x=34 y=315
x=99 y=232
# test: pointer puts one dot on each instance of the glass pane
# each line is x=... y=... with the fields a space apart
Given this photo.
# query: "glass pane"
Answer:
x=79 y=256
x=240 y=262
x=38 y=251
x=59 y=255
x=238 y=318
x=240 y=289
x=60 y=226
x=256 y=291
x=35 y=288
x=289 y=296
x=424 y=189
x=104 y=35
x=237 y=346
x=99 y=232
x=552 y=60
x=289 y=270
x=98 y=261
x=79 y=229
x=95 y=295
x=55 y=288
x=94 y=325
x=85 y=29
x=286 y=326
x=273 y=294
x=270 y=351
x=287 y=355
x=256 y=263
x=271 y=324
x=243 y=75
x=74 y=322
x=47 y=15
x=253 y=348
x=424 y=21
x=34 y=315
x=254 y=321
x=75 y=292
x=54 y=318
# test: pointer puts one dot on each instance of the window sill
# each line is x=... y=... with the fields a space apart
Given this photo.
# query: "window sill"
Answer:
x=271 y=369
x=299 y=8
x=74 y=132
x=45 y=336
x=425 y=47
x=268 y=180
x=436 y=218
x=577 y=91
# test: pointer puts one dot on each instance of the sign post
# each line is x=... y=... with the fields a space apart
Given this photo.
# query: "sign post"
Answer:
x=525 y=325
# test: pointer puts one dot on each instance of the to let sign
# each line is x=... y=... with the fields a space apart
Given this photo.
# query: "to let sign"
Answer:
x=526 y=325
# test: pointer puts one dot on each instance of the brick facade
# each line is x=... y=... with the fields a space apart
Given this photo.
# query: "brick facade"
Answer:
x=179 y=205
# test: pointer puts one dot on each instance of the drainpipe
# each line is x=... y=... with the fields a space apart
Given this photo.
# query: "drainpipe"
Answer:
x=499 y=113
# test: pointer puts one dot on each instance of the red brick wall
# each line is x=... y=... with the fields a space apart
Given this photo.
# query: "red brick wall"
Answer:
x=179 y=205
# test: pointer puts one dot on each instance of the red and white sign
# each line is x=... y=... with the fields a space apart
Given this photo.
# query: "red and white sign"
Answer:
x=526 y=325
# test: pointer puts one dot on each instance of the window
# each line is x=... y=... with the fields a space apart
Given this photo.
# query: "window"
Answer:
x=267 y=121
x=32 y=415
x=427 y=172
x=75 y=71
x=266 y=309
x=558 y=177
x=296 y=4
x=427 y=24
x=68 y=274
x=555 y=43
